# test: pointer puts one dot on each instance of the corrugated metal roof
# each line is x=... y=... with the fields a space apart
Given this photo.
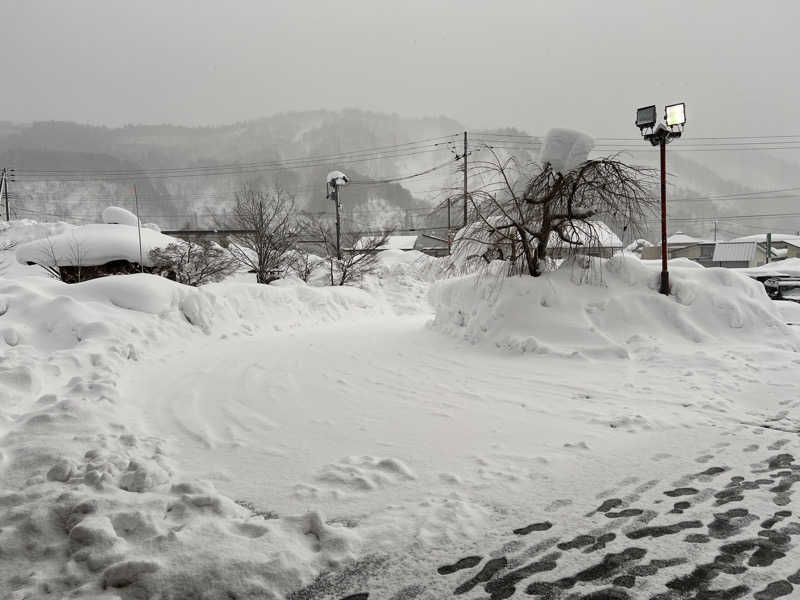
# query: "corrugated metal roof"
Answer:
x=734 y=251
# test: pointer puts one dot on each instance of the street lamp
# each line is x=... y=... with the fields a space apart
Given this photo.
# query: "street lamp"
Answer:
x=335 y=180
x=661 y=135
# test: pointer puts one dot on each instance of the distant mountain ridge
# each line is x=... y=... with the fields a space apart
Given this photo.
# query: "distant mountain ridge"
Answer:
x=407 y=146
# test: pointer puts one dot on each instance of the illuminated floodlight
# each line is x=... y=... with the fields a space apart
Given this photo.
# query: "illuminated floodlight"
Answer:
x=675 y=114
x=646 y=116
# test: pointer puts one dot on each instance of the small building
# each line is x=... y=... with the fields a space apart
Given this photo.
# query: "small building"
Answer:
x=737 y=255
x=425 y=243
x=792 y=248
x=680 y=245
x=432 y=245
x=702 y=253
x=393 y=242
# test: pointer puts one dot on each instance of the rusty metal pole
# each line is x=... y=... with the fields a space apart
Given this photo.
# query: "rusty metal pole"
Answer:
x=664 y=273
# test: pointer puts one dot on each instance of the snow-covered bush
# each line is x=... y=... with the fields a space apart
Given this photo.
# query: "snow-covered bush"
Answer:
x=193 y=263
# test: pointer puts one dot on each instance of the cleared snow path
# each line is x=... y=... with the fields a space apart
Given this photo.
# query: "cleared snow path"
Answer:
x=407 y=436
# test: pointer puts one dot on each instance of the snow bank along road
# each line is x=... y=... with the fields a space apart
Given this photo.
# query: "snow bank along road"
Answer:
x=467 y=470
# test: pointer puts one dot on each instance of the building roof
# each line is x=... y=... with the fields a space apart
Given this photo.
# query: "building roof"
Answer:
x=393 y=242
x=681 y=239
x=794 y=240
x=734 y=251
x=595 y=234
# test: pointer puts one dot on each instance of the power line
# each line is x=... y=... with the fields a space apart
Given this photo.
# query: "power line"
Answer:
x=379 y=151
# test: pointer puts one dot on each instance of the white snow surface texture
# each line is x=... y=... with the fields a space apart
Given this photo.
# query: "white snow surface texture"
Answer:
x=94 y=244
x=403 y=435
x=553 y=314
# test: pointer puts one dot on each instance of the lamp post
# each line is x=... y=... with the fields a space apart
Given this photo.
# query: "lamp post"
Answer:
x=661 y=135
x=335 y=180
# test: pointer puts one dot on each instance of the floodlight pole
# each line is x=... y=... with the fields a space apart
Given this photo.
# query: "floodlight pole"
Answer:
x=661 y=136
x=664 y=272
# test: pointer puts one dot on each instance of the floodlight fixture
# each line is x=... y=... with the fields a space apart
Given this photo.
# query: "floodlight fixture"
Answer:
x=646 y=117
x=675 y=114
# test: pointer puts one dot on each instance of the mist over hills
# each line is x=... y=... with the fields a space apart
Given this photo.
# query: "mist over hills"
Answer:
x=187 y=176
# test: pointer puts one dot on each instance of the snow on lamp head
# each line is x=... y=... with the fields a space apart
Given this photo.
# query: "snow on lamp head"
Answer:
x=565 y=149
x=337 y=179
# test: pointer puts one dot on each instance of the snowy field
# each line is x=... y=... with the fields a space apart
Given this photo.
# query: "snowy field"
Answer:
x=576 y=435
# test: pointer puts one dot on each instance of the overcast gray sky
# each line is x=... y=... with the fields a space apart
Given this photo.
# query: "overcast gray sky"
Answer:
x=532 y=64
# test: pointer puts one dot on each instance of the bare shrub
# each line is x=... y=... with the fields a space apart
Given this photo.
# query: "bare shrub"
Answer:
x=193 y=262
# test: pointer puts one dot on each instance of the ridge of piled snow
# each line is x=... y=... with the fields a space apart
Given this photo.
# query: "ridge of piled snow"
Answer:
x=78 y=485
x=402 y=280
x=554 y=314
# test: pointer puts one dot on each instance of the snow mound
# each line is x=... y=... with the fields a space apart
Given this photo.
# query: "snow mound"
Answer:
x=565 y=149
x=553 y=314
x=402 y=280
x=108 y=502
x=119 y=216
x=95 y=244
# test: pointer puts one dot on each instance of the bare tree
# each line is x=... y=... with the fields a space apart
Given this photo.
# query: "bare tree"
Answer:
x=266 y=228
x=193 y=262
x=521 y=210
x=359 y=253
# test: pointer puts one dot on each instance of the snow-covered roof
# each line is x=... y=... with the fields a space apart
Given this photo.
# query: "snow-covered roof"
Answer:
x=393 y=242
x=679 y=238
x=734 y=251
x=95 y=244
x=794 y=240
x=593 y=233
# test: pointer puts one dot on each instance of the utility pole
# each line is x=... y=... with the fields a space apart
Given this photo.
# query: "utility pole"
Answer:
x=139 y=228
x=449 y=226
x=769 y=246
x=5 y=176
x=465 y=178
x=715 y=231
x=335 y=180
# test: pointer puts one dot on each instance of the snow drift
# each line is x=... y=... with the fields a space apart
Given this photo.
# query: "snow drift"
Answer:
x=88 y=506
x=623 y=315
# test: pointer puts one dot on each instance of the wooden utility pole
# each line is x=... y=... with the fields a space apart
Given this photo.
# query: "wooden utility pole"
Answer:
x=465 y=178
x=4 y=191
x=139 y=227
x=449 y=224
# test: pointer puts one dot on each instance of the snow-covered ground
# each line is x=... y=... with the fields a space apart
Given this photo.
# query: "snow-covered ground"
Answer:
x=550 y=437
